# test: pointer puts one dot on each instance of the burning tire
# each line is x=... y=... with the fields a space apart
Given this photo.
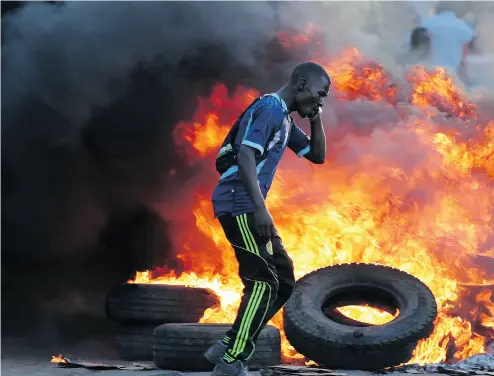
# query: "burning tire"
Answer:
x=344 y=344
x=181 y=346
x=135 y=342
x=158 y=304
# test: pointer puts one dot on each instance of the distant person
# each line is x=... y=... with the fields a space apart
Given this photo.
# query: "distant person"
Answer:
x=420 y=44
x=420 y=40
x=449 y=37
x=416 y=49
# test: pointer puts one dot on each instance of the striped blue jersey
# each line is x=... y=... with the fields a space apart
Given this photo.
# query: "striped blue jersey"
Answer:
x=268 y=128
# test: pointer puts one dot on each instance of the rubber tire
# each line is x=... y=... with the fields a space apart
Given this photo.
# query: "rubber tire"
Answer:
x=135 y=342
x=339 y=346
x=158 y=304
x=181 y=347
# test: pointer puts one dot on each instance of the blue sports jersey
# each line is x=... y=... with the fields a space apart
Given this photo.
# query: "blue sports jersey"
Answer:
x=266 y=126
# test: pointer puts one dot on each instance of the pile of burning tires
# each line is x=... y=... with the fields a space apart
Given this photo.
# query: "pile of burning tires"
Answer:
x=159 y=322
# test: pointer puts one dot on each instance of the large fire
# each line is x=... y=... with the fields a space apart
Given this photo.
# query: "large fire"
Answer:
x=416 y=196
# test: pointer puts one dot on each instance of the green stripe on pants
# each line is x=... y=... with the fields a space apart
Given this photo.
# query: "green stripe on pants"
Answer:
x=257 y=295
x=243 y=337
x=248 y=234
x=250 y=247
x=253 y=298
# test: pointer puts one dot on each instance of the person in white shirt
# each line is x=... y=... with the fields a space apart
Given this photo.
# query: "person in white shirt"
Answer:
x=450 y=37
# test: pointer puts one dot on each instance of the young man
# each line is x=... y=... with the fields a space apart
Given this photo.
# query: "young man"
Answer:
x=264 y=131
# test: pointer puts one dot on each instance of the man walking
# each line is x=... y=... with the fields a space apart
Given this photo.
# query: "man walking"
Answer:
x=247 y=162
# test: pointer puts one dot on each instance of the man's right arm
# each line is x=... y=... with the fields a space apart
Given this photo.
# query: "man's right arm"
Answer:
x=246 y=161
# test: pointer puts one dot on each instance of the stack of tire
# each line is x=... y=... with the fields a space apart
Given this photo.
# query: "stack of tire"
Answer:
x=159 y=323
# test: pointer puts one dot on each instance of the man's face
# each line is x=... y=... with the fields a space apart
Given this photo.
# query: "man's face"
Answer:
x=310 y=96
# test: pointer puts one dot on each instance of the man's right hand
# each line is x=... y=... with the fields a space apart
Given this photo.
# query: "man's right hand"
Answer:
x=264 y=222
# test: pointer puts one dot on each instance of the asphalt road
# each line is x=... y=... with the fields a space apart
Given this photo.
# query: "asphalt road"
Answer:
x=21 y=358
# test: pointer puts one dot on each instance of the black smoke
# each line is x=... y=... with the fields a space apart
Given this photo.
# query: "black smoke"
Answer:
x=90 y=94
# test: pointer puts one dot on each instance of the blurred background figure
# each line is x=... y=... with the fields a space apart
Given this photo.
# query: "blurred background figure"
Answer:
x=420 y=45
x=416 y=50
x=450 y=36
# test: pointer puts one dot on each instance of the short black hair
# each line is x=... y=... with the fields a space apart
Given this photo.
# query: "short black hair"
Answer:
x=420 y=38
x=309 y=69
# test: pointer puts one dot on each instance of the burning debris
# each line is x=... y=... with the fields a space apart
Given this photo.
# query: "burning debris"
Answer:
x=67 y=363
x=58 y=359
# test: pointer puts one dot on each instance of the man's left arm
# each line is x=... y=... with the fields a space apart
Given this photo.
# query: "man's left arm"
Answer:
x=312 y=148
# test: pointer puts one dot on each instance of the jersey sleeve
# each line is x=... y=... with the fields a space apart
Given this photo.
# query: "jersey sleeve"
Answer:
x=262 y=122
x=298 y=141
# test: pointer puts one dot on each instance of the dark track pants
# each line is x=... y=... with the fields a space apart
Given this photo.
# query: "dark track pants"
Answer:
x=266 y=271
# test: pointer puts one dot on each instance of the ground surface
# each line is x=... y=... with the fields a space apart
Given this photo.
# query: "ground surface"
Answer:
x=22 y=359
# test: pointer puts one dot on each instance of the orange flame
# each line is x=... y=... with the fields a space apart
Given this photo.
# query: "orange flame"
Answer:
x=205 y=134
x=366 y=314
x=487 y=318
x=58 y=359
x=353 y=76
x=426 y=218
x=293 y=40
x=436 y=89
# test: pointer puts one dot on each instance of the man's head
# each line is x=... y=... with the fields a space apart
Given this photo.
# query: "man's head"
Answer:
x=420 y=39
x=310 y=84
